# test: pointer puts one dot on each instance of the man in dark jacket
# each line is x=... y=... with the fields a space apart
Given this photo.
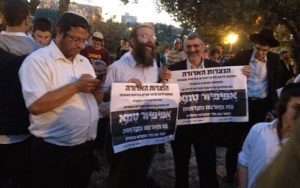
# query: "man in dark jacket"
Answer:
x=262 y=82
x=15 y=140
x=200 y=136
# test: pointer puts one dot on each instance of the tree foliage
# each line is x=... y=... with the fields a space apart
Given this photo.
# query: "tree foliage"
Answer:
x=113 y=32
x=215 y=18
x=63 y=6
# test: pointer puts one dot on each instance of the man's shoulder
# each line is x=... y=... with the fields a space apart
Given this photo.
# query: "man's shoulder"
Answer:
x=262 y=127
x=273 y=56
x=122 y=62
x=242 y=58
x=88 y=49
x=18 y=45
x=37 y=56
x=105 y=50
x=182 y=65
x=209 y=63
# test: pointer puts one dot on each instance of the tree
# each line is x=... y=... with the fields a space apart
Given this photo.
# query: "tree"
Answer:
x=113 y=32
x=214 y=18
x=63 y=6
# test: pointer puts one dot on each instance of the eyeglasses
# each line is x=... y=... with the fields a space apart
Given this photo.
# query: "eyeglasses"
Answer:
x=77 y=40
x=149 y=37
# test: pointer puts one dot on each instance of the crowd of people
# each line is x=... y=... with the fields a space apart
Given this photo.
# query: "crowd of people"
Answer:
x=54 y=104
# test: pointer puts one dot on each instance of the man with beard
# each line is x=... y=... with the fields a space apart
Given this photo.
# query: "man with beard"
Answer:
x=200 y=136
x=130 y=168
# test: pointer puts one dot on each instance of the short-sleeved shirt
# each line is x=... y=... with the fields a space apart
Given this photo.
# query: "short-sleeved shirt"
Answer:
x=73 y=122
x=259 y=149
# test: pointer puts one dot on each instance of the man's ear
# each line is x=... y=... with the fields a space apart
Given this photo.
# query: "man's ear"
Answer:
x=59 y=32
x=28 y=23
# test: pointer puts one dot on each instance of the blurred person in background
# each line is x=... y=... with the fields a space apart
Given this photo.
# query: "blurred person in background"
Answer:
x=42 y=31
x=15 y=139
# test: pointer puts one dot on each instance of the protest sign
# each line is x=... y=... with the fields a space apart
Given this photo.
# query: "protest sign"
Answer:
x=143 y=116
x=211 y=95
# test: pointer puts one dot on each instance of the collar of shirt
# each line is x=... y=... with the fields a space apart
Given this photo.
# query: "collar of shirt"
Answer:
x=253 y=59
x=190 y=66
x=21 y=34
x=129 y=58
x=57 y=55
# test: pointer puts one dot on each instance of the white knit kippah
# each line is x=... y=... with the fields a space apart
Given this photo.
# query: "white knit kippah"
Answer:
x=76 y=13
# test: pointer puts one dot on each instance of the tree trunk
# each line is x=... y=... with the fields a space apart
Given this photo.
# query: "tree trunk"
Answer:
x=63 y=7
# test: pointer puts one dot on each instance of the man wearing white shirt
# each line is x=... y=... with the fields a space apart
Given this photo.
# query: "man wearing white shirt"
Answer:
x=15 y=140
x=130 y=168
x=262 y=82
x=266 y=139
x=59 y=89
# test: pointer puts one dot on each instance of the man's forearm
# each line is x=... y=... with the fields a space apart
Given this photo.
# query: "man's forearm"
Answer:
x=53 y=99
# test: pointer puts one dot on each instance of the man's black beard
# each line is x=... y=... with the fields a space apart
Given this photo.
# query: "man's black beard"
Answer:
x=143 y=55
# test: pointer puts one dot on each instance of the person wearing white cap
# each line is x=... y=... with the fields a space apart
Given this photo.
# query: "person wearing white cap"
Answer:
x=176 y=54
x=60 y=91
x=97 y=52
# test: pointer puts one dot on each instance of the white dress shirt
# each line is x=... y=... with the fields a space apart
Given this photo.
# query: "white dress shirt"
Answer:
x=259 y=149
x=75 y=121
x=257 y=83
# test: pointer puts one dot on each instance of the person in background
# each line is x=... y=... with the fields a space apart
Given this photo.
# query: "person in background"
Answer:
x=223 y=57
x=214 y=55
x=176 y=54
x=263 y=79
x=125 y=47
x=42 y=31
x=266 y=139
x=205 y=54
x=286 y=67
x=97 y=52
x=15 y=139
x=60 y=92
x=231 y=55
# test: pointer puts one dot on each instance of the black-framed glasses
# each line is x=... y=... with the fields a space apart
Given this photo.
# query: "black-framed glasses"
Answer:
x=77 y=40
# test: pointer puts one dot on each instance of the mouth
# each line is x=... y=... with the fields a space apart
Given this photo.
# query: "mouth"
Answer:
x=149 y=45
